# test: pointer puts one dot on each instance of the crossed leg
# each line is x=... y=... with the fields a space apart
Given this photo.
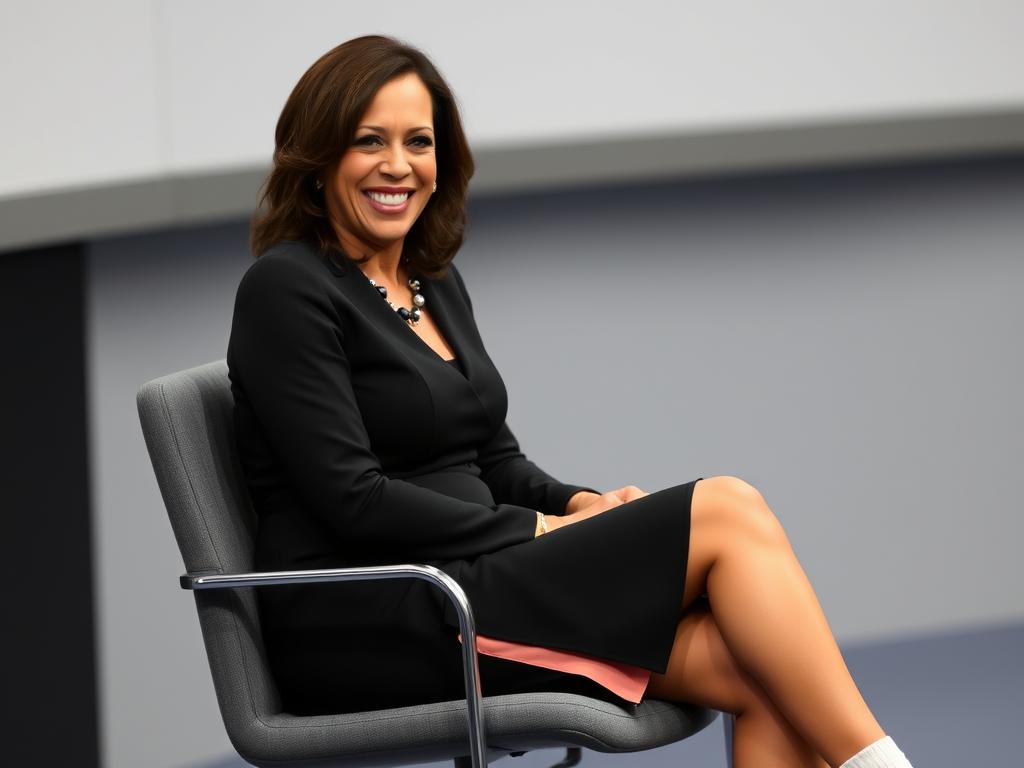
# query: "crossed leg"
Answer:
x=701 y=670
x=778 y=660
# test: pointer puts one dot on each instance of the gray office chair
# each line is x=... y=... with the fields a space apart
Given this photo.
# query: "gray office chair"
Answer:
x=187 y=422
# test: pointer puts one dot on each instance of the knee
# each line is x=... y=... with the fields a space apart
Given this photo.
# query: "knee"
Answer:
x=736 y=504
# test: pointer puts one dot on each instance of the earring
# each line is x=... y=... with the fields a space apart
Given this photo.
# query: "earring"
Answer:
x=319 y=184
x=435 y=187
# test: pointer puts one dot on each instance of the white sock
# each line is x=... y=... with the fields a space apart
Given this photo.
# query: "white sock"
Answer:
x=881 y=754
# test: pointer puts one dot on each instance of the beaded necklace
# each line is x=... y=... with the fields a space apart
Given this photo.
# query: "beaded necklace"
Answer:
x=411 y=316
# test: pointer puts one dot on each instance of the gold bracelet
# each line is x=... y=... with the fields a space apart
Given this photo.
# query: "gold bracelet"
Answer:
x=543 y=523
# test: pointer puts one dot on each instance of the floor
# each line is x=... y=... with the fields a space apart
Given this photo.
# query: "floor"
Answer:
x=949 y=701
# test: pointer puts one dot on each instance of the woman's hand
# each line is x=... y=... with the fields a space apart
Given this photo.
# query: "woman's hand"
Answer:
x=629 y=493
x=579 y=500
x=586 y=504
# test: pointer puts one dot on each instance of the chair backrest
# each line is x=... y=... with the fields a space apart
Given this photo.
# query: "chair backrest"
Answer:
x=187 y=421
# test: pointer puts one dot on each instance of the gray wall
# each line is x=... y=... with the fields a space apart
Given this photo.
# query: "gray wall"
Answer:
x=847 y=342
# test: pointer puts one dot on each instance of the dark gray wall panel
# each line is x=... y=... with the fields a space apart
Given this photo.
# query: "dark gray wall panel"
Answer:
x=49 y=688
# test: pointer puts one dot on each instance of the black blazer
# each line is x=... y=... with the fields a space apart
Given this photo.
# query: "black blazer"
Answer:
x=344 y=410
x=361 y=445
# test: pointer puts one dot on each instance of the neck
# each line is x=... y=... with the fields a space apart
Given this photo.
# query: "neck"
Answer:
x=384 y=264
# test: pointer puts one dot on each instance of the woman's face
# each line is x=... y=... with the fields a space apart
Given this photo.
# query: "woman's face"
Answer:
x=383 y=181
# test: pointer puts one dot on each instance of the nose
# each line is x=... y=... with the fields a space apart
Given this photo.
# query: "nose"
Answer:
x=394 y=162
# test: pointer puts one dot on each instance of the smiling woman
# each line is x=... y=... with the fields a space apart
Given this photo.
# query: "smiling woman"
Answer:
x=371 y=433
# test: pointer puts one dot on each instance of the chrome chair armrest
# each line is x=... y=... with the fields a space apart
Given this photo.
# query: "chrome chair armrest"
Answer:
x=435 y=576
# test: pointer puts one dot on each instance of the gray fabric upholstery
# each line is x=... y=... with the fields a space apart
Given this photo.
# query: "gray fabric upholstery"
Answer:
x=187 y=422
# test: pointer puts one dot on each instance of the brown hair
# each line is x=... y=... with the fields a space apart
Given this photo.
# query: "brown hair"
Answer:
x=318 y=124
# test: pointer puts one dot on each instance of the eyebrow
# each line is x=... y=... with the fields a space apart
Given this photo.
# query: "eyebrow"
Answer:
x=384 y=130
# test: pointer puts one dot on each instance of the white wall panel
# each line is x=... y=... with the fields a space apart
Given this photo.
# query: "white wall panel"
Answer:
x=79 y=106
x=97 y=93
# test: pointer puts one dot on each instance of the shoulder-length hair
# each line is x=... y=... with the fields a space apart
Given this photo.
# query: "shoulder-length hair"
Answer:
x=317 y=126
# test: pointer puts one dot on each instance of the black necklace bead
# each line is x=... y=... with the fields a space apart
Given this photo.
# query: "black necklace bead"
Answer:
x=413 y=315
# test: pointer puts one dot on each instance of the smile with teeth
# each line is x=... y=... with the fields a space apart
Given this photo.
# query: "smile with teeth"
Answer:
x=385 y=200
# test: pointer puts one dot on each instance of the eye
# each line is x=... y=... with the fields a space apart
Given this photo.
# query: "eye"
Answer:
x=426 y=141
x=367 y=139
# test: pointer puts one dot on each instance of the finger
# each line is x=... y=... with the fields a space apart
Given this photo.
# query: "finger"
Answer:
x=630 y=492
x=612 y=500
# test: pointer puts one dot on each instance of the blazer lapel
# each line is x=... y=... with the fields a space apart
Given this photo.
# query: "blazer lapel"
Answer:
x=456 y=324
x=442 y=304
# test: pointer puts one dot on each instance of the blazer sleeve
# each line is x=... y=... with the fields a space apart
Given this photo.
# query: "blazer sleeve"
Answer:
x=510 y=475
x=288 y=356
x=515 y=479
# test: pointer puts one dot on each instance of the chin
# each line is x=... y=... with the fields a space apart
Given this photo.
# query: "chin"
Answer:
x=391 y=233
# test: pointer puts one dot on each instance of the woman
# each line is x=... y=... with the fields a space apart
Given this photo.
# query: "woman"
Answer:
x=371 y=426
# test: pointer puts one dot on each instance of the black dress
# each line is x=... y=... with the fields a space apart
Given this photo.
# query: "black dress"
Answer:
x=361 y=445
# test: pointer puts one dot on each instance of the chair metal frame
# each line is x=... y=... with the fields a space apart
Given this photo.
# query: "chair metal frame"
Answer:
x=428 y=573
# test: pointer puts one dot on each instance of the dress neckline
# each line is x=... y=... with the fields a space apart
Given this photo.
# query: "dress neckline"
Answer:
x=456 y=363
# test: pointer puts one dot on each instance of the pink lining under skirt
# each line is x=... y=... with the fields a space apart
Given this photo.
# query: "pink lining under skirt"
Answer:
x=623 y=680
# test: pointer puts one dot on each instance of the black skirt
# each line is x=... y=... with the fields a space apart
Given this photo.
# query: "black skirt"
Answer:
x=610 y=586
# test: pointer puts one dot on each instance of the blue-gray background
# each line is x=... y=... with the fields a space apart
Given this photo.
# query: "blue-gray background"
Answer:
x=848 y=342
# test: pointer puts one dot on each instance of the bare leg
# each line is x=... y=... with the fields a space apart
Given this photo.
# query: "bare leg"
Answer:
x=701 y=670
x=770 y=618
